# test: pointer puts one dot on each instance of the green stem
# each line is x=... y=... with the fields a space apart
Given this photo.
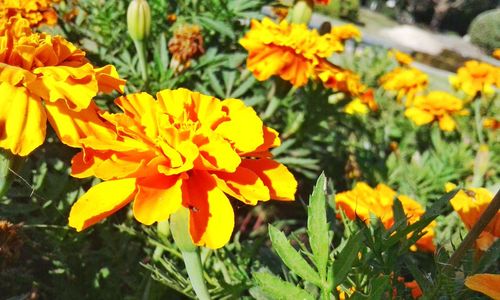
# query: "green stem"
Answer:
x=139 y=46
x=9 y=164
x=478 y=119
x=190 y=253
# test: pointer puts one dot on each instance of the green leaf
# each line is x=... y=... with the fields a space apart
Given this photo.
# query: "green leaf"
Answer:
x=379 y=286
x=276 y=288
x=244 y=87
x=219 y=26
x=317 y=226
x=292 y=258
x=398 y=211
x=215 y=84
x=343 y=264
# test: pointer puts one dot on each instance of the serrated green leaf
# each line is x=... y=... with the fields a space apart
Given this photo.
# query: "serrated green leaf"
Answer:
x=229 y=79
x=343 y=264
x=243 y=87
x=292 y=258
x=278 y=289
x=317 y=226
x=215 y=84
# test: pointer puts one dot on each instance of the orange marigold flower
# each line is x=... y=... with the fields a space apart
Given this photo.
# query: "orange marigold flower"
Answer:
x=186 y=44
x=402 y=58
x=322 y=2
x=470 y=205
x=291 y=51
x=496 y=53
x=37 y=12
x=476 y=77
x=36 y=67
x=491 y=123
x=407 y=82
x=436 y=106
x=488 y=284
x=346 y=32
x=415 y=290
x=183 y=150
x=363 y=200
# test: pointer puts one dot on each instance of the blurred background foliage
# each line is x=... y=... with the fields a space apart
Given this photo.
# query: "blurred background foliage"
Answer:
x=123 y=260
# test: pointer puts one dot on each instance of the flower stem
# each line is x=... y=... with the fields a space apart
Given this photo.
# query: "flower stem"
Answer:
x=139 y=46
x=478 y=119
x=190 y=253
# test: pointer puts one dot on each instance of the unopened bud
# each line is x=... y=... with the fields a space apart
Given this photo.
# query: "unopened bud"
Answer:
x=139 y=19
x=301 y=12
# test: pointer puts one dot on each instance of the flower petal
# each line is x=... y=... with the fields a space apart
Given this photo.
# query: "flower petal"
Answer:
x=488 y=284
x=100 y=201
x=211 y=217
x=243 y=185
x=447 y=123
x=418 y=116
x=108 y=79
x=280 y=182
x=157 y=197
x=22 y=120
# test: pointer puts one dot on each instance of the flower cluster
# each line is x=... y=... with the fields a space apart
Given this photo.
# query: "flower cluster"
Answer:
x=36 y=67
x=406 y=82
x=470 y=205
x=362 y=201
x=36 y=12
x=436 y=106
x=476 y=78
x=183 y=150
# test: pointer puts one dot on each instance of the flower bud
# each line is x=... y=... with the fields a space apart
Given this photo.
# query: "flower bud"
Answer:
x=301 y=12
x=139 y=19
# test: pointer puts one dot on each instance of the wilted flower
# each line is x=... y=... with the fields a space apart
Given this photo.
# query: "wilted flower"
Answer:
x=291 y=51
x=346 y=32
x=183 y=150
x=36 y=67
x=407 y=82
x=436 y=106
x=476 y=77
x=186 y=44
x=10 y=243
x=37 y=12
x=402 y=58
x=362 y=201
x=488 y=284
x=470 y=205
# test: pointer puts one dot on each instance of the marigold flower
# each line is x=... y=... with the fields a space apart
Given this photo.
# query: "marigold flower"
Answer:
x=37 y=12
x=436 y=106
x=346 y=32
x=470 y=205
x=363 y=200
x=407 y=82
x=491 y=123
x=496 y=53
x=402 y=58
x=488 y=284
x=476 y=77
x=185 y=149
x=322 y=2
x=291 y=51
x=36 y=67
x=186 y=44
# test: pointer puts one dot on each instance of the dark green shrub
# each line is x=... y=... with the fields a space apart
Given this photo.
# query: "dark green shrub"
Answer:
x=485 y=30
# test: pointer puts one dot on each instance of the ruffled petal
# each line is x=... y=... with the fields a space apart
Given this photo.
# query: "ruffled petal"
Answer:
x=142 y=108
x=280 y=182
x=488 y=284
x=100 y=201
x=22 y=120
x=447 y=123
x=216 y=153
x=243 y=185
x=418 y=116
x=211 y=217
x=157 y=197
x=108 y=80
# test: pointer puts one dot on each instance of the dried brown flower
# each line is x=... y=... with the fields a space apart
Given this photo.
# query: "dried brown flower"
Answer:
x=186 y=44
x=10 y=243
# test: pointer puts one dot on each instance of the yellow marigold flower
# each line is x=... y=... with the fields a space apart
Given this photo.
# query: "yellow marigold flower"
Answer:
x=491 y=123
x=291 y=51
x=186 y=44
x=496 y=53
x=363 y=200
x=476 y=77
x=322 y=2
x=341 y=80
x=436 y=106
x=470 y=205
x=183 y=150
x=402 y=58
x=36 y=67
x=407 y=82
x=37 y=12
x=346 y=32
x=488 y=284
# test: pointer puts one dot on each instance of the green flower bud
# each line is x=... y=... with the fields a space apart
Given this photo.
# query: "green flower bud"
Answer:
x=301 y=12
x=139 y=19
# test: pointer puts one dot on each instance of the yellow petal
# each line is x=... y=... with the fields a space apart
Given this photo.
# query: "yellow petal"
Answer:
x=418 y=116
x=142 y=108
x=22 y=120
x=243 y=185
x=100 y=201
x=447 y=123
x=157 y=197
x=488 y=284
x=211 y=218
